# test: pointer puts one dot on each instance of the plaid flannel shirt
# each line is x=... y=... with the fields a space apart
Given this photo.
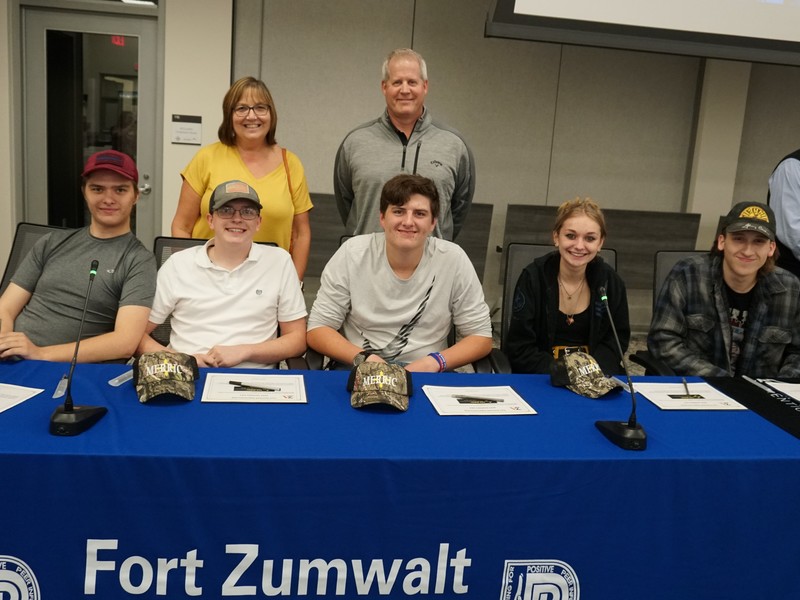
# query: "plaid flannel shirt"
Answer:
x=691 y=333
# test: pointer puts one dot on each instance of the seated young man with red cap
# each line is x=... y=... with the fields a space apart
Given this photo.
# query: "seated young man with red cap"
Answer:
x=41 y=309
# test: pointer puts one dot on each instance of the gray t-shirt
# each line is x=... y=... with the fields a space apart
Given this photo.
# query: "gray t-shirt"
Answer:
x=56 y=272
x=400 y=319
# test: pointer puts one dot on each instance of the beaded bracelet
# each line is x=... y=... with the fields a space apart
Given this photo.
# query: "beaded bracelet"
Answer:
x=439 y=359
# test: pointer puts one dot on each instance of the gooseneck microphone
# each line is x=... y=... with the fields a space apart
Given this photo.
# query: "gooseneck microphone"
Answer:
x=627 y=435
x=70 y=419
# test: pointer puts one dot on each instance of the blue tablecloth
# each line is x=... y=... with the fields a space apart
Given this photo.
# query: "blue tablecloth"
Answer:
x=189 y=500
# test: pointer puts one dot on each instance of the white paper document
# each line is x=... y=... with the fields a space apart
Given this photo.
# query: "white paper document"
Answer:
x=247 y=387
x=789 y=389
x=11 y=395
x=493 y=400
x=673 y=396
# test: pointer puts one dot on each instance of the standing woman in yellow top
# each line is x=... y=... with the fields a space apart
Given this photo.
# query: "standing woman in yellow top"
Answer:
x=247 y=151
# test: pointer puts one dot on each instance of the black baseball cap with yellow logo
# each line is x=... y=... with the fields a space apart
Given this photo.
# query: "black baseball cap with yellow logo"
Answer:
x=751 y=216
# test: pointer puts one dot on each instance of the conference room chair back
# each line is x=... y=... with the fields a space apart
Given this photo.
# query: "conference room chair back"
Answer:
x=520 y=255
x=664 y=261
x=25 y=236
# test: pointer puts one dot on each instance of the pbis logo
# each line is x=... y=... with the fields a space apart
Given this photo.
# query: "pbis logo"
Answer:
x=17 y=580
x=539 y=580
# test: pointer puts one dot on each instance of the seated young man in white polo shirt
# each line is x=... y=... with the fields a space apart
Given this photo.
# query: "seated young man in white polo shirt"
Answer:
x=233 y=303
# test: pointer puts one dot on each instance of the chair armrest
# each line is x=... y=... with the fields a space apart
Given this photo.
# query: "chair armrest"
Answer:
x=499 y=361
x=652 y=365
x=314 y=360
x=483 y=365
x=297 y=363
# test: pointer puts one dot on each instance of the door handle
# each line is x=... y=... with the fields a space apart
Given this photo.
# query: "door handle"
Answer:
x=145 y=189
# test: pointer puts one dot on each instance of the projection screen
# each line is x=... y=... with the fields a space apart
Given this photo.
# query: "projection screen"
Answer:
x=752 y=30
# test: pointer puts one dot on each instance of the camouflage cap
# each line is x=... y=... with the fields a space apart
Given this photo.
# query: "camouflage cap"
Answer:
x=585 y=376
x=379 y=383
x=160 y=373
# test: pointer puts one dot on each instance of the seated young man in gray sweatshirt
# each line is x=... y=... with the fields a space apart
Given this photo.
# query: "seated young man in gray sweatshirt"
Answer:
x=394 y=296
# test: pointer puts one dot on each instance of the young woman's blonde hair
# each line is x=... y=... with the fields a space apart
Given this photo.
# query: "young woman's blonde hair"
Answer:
x=585 y=206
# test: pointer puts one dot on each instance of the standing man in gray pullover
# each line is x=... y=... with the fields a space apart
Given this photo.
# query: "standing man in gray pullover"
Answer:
x=404 y=139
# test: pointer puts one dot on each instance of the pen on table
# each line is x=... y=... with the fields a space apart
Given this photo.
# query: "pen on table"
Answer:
x=249 y=388
x=476 y=399
x=120 y=379
x=685 y=386
x=61 y=388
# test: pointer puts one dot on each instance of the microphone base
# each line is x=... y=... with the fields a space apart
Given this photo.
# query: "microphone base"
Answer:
x=623 y=435
x=75 y=421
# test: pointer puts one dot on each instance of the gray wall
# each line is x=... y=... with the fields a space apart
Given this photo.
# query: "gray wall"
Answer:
x=546 y=122
x=771 y=127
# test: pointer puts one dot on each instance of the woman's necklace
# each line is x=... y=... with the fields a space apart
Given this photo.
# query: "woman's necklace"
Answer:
x=570 y=317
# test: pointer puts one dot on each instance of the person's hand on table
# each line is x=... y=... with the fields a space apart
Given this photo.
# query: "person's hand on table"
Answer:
x=426 y=364
x=224 y=356
x=18 y=344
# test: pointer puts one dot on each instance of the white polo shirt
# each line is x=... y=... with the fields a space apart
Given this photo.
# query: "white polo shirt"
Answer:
x=213 y=306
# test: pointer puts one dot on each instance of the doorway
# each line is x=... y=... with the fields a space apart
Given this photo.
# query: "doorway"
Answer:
x=89 y=82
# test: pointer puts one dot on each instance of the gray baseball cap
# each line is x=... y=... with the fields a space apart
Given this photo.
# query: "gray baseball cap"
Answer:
x=230 y=191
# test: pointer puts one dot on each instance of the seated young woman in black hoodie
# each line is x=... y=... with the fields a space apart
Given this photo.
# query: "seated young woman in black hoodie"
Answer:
x=557 y=304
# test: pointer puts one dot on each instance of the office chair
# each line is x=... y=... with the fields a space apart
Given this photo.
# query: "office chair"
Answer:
x=518 y=256
x=664 y=261
x=163 y=248
x=26 y=235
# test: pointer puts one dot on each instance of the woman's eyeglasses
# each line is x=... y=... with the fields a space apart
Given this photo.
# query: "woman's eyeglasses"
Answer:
x=261 y=110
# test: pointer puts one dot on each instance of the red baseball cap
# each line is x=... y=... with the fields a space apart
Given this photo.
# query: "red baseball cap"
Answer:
x=112 y=160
